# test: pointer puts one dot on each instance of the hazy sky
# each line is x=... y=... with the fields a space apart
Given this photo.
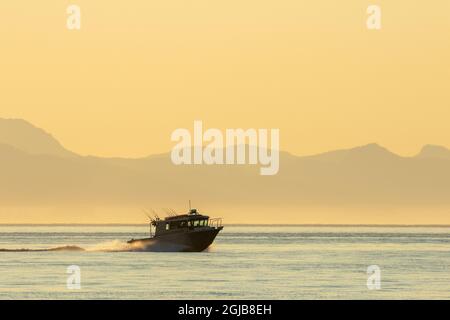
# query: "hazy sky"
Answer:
x=139 y=69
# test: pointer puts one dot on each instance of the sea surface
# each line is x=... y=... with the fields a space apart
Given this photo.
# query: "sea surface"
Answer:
x=245 y=262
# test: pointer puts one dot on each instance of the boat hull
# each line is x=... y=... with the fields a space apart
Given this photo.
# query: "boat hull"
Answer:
x=191 y=241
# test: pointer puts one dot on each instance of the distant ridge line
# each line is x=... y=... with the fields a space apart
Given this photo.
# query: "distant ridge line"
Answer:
x=21 y=125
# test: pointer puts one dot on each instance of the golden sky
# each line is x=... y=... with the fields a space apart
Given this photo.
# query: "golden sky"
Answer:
x=139 y=69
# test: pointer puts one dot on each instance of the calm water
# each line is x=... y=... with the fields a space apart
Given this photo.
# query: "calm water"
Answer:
x=245 y=262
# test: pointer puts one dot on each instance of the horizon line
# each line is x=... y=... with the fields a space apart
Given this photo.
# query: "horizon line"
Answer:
x=231 y=225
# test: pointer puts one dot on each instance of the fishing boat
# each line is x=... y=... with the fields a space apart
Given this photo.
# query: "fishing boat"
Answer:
x=190 y=232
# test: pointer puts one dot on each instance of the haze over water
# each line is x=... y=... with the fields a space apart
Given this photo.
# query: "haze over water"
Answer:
x=245 y=262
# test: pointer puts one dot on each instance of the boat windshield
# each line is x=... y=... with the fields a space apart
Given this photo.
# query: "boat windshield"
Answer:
x=184 y=224
x=199 y=223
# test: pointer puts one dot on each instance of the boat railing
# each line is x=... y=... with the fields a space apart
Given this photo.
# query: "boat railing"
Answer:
x=215 y=222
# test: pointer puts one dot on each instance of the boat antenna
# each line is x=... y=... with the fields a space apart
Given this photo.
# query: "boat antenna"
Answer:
x=151 y=221
x=156 y=215
x=146 y=213
x=190 y=208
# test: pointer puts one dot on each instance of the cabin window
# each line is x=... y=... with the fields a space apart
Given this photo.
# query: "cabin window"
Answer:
x=167 y=226
x=198 y=223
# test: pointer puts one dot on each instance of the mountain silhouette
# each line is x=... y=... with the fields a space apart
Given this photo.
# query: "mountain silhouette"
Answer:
x=371 y=151
x=433 y=151
x=36 y=170
x=26 y=137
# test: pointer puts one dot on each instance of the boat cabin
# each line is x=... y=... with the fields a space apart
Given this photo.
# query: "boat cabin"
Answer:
x=184 y=222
